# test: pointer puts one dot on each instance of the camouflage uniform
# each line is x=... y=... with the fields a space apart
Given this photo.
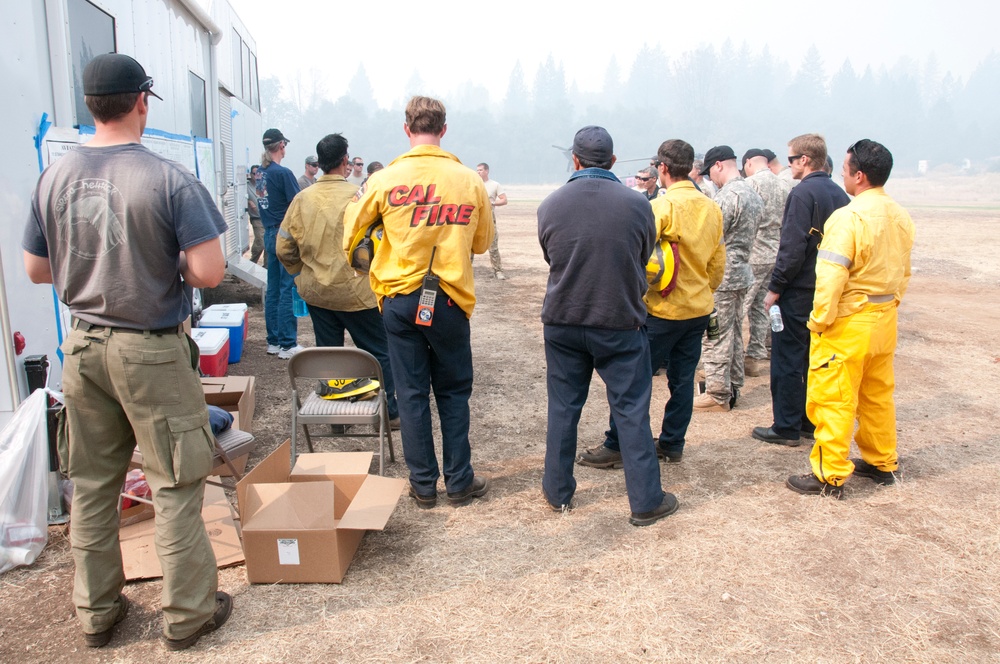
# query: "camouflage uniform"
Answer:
x=742 y=210
x=774 y=191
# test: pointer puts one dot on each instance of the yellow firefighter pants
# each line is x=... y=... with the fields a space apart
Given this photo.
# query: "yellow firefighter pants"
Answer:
x=851 y=379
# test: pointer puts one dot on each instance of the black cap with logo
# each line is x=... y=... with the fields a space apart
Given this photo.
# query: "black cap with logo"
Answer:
x=115 y=73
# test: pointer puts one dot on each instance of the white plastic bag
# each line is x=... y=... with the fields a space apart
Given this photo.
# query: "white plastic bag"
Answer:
x=24 y=464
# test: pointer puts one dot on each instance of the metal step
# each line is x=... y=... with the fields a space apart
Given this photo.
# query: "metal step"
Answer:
x=243 y=269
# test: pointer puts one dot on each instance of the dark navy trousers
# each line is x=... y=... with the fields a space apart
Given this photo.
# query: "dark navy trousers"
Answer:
x=438 y=356
x=790 y=364
x=675 y=344
x=621 y=358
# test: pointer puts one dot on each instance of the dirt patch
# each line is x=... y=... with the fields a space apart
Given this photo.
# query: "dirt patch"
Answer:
x=745 y=571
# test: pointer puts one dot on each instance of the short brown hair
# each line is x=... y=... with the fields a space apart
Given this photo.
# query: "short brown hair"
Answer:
x=425 y=116
x=812 y=146
x=677 y=156
x=106 y=108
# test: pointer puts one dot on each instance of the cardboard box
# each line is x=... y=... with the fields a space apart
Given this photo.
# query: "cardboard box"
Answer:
x=135 y=514
x=139 y=550
x=304 y=525
x=234 y=394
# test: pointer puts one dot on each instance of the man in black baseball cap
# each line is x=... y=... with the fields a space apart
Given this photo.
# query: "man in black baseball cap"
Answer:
x=715 y=155
x=115 y=73
x=273 y=136
x=149 y=223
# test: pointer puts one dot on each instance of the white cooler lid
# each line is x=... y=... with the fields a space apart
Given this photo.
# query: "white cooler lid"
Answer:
x=210 y=340
x=217 y=318
x=238 y=306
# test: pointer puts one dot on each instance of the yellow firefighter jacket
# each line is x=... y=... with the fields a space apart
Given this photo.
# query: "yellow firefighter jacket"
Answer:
x=864 y=257
x=426 y=198
x=309 y=243
x=694 y=221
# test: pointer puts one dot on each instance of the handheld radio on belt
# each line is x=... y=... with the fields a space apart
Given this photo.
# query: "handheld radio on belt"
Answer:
x=428 y=293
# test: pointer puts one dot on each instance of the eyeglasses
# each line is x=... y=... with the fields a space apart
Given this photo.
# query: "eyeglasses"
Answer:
x=854 y=150
x=793 y=158
x=642 y=179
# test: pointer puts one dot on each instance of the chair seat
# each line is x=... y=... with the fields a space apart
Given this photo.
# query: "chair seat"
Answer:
x=236 y=443
x=315 y=405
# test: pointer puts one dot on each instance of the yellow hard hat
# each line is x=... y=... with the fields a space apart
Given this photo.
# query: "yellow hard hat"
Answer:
x=365 y=244
x=661 y=270
x=352 y=389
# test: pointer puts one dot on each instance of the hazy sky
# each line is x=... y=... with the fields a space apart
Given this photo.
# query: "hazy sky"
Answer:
x=449 y=42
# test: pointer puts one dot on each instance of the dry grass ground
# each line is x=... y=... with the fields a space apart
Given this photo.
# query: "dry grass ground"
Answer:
x=745 y=571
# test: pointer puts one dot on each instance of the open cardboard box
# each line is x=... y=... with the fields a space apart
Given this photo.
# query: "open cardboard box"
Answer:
x=305 y=525
x=139 y=550
x=234 y=394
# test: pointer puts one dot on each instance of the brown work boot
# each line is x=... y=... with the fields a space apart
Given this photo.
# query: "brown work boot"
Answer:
x=864 y=469
x=101 y=639
x=476 y=489
x=810 y=485
x=601 y=457
x=755 y=368
x=706 y=403
x=223 y=608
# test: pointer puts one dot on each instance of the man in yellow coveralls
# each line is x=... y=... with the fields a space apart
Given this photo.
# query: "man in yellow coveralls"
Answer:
x=427 y=201
x=862 y=271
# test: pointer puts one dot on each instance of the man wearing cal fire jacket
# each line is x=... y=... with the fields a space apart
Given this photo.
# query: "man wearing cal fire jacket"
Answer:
x=428 y=200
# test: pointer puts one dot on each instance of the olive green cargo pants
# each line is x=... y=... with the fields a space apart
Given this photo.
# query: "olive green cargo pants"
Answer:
x=125 y=389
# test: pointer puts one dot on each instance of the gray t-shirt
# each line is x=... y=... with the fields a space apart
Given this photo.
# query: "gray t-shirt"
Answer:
x=112 y=222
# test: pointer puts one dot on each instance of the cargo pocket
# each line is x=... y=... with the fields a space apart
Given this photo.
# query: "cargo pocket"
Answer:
x=72 y=349
x=62 y=441
x=828 y=381
x=192 y=447
x=151 y=375
x=195 y=353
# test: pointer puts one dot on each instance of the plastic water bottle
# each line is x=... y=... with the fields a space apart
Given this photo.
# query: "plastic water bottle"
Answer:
x=774 y=313
x=299 y=307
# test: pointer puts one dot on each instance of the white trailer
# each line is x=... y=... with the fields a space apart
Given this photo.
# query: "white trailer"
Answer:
x=204 y=64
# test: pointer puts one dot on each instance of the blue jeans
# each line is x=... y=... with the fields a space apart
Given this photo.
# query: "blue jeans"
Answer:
x=282 y=328
x=438 y=356
x=621 y=358
x=368 y=333
x=675 y=344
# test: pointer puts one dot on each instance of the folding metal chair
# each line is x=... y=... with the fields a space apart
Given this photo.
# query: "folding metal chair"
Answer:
x=311 y=365
x=230 y=444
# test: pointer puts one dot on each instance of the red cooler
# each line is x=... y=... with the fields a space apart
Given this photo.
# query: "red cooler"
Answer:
x=213 y=344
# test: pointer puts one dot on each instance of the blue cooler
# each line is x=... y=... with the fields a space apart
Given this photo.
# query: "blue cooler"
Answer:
x=238 y=307
x=233 y=320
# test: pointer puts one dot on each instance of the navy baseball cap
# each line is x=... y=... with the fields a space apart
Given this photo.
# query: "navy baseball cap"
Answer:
x=272 y=136
x=593 y=144
x=115 y=73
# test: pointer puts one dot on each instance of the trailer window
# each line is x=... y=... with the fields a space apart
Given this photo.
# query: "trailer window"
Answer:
x=247 y=85
x=237 y=65
x=199 y=110
x=254 y=86
x=91 y=33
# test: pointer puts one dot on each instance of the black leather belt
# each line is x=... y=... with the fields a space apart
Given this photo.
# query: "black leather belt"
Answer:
x=84 y=326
